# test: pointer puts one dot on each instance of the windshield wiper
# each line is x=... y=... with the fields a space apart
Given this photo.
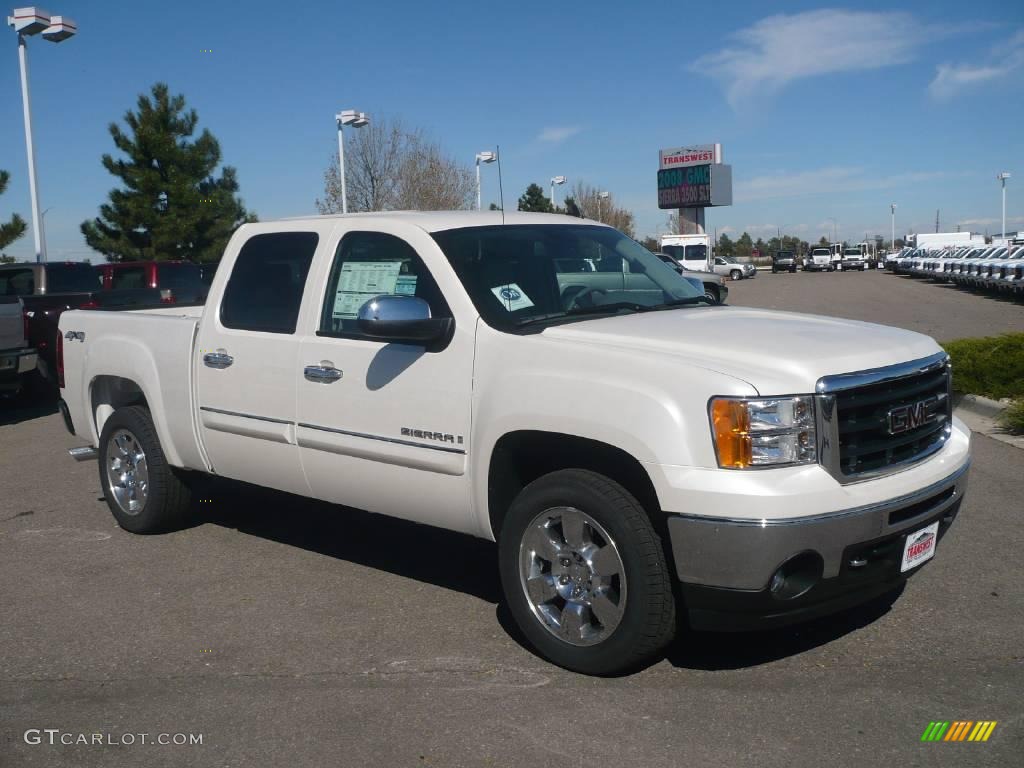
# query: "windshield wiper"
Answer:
x=615 y=306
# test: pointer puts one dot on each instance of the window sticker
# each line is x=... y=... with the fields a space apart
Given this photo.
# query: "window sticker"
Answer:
x=360 y=281
x=406 y=285
x=511 y=296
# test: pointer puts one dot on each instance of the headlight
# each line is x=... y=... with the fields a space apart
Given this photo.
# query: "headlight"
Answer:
x=766 y=432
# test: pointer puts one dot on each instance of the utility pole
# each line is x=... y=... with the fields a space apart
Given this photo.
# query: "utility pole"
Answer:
x=936 y=219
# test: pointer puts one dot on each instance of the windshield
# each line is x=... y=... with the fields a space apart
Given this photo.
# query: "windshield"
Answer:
x=851 y=252
x=821 y=252
x=519 y=275
x=71 y=278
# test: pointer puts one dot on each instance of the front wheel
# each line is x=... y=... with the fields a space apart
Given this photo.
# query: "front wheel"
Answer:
x=735 y=274
x=711 y=294
x=584 y=574
x=142 y=490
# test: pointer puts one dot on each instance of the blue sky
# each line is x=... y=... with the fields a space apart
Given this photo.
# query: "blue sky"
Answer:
x=824 y=112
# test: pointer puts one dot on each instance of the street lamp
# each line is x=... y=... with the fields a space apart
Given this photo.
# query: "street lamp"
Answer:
x=892 y=242
x=1002 y=177
x=356 y=120
x=600 y=196
x=27 y=22
x=482 y=157
x=555 y=180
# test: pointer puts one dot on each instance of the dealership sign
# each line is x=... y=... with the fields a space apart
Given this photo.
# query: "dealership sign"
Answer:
x=695 y=186
x=696 y=154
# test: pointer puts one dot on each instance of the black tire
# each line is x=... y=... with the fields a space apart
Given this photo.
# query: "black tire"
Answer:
x=167 y=499
x=774 y=270
x=736 y=274
x=712 y=295
x=647 y=620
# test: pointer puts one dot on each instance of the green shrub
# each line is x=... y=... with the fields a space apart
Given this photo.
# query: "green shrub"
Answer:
x=1013 y=418
x=992 y=366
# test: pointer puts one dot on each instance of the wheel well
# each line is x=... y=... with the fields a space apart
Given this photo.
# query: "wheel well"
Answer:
x=110 y=393
x=519 y=458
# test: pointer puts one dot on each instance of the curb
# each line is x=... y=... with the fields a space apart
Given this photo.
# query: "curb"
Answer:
x=980 y=406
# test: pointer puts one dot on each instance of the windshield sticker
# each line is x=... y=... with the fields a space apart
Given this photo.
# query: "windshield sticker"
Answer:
x=360 y=281
x=512 y=297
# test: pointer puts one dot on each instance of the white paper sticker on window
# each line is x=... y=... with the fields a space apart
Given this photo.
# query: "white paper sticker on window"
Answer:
x=360 y=281
x=511 y=297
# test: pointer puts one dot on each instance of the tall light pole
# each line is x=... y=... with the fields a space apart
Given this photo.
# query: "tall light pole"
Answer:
x=27 y=22
x=356 y=120
x=600 y=196
x=555 y=181
x=1002 y=177
x=892 y=242
x=482 y=157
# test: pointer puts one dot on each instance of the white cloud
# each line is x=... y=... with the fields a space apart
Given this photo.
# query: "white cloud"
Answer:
x=558 y=133
x=828 y=180
x=1004 y=59
x=778 y=50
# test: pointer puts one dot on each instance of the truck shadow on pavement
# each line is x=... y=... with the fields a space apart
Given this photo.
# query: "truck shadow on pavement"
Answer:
x=469 y=565
x=431 y=555
x=15 y=410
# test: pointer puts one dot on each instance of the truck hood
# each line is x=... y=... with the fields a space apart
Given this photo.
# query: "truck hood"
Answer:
x=775 y=352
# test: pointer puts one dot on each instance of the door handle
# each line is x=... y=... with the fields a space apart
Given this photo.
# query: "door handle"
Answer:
x=322 y=374
x=218 y=359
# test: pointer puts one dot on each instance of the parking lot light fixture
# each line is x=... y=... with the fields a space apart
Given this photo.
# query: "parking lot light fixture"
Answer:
x=601 y=196
x=555 y=181
x=892 y=242
x=1002 y=177
x=354 y=119
x=482 y=157
x=27 y=22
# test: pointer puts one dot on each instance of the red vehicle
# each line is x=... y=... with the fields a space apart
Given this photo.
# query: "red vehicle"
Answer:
x=179 y=282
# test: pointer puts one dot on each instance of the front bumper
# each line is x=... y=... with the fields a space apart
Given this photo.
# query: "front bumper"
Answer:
x=860 y=551
x=740 y=528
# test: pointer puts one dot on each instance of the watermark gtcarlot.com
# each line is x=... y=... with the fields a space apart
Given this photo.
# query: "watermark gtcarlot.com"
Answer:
x=55 y=736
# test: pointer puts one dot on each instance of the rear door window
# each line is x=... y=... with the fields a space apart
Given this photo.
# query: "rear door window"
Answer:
x=17 y=282
x=72 y=278
x=265 y=289
x=124 y=278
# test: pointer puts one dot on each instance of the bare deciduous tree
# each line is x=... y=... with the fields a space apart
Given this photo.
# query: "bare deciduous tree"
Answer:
x=389 y=167
x=604 y=210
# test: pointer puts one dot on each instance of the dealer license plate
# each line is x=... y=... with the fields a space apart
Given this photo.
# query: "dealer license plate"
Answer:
x=919 y=547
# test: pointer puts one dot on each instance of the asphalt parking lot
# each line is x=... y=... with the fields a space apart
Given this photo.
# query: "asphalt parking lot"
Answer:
x=287 y=632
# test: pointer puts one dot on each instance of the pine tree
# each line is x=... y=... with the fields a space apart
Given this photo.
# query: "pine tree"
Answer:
x=572 y=209
x=534 y=199
x=170 y=206
x=15 y=228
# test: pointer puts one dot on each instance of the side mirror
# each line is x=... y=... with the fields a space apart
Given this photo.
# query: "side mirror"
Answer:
x=403 y=320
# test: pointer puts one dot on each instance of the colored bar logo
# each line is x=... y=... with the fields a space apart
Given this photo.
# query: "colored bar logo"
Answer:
x=959 y=730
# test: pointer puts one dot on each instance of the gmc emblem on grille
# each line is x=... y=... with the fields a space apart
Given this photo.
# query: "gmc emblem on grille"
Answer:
x=907 y=417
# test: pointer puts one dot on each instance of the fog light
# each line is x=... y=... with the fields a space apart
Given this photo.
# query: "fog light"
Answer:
x=796 y=576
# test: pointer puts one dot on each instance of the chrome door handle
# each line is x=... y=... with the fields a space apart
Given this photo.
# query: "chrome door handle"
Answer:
x=321 y=373
x=217 y=359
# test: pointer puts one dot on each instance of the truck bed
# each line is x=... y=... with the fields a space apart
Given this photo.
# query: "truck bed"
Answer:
x=152 y=347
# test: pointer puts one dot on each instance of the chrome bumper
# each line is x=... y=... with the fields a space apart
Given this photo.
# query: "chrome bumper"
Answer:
x=743 y=553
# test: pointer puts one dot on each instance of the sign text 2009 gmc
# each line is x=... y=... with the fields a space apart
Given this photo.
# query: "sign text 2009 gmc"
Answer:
x=633 y=451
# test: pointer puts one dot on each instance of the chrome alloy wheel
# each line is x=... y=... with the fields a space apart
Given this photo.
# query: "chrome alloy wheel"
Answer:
x=127 y=472
x=572 y=574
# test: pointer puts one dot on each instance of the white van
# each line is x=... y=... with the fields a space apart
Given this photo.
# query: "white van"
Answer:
x=692 y=251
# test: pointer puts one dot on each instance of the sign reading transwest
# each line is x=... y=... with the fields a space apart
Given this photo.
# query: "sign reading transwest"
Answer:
x=697 y=154
x=695 y=186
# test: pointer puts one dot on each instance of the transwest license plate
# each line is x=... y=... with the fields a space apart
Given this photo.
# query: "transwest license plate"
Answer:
x=919 y=547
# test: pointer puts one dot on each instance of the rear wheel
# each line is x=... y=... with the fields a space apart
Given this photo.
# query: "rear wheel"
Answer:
x=584 y=574
x=735 y=274
x=142 y=490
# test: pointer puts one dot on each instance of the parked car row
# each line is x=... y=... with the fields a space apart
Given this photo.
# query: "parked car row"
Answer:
x=47 y=290
x=993 y=268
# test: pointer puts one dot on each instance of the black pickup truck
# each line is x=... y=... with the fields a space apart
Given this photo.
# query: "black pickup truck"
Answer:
x=47 y=290
x=783 y=261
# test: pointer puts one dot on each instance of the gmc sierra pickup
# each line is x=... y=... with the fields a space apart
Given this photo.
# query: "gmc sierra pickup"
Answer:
x=633 y=450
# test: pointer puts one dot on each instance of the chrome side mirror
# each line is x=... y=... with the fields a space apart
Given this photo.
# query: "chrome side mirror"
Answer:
x=403 y=320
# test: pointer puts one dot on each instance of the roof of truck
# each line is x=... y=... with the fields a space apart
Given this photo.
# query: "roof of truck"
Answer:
x=436 y=221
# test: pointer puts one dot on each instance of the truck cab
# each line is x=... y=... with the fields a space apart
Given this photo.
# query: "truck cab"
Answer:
x=818 y=260
x=853 y=258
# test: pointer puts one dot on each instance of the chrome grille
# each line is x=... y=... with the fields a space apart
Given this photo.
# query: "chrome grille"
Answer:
x=879 y=421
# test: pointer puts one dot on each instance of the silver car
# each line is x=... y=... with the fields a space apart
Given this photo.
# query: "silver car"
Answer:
x=727 y=266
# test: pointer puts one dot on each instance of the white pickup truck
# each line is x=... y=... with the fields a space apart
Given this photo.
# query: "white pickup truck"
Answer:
x=634 y=452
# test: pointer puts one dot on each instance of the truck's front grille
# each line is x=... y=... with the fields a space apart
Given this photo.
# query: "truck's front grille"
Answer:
x=878 y=421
